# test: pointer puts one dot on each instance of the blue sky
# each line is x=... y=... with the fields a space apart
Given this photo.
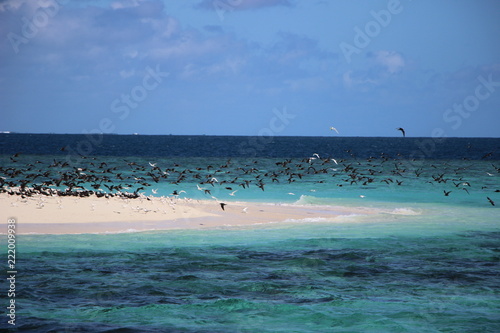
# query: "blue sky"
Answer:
x=251 y=67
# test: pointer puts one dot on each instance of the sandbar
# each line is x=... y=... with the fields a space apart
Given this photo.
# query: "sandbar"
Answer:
x=74 y=215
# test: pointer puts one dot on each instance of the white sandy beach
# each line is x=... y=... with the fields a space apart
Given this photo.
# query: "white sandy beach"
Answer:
x=70 y=215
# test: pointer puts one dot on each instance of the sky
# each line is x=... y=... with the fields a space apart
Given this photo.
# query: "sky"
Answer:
x=251 y=67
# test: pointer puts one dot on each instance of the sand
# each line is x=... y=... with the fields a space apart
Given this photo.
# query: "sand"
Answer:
x=72 y=215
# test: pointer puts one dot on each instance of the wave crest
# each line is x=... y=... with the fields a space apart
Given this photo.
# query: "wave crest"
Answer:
x=310 y=200
x=404 y=211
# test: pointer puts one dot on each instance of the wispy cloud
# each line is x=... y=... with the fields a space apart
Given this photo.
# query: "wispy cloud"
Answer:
x=355 y=79
x=381 y=67
x=15 y=5
x=391 y=60
x=242 y=4
x=125 y=4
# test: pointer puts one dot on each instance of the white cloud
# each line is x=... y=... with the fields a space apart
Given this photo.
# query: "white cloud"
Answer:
x=29 y=7
x=382 y=68
x=241 y=4
x=164 y=27
x=132 y=54
x=228 y=66
x=391 y=60
x=125 y=74
x=306 y=84
x=185 y=48
x=188 y=71
x=125 y=4
x=13 y=5
x=350 y=81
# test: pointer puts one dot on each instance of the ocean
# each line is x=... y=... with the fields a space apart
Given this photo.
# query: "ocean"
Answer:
x=424 y=258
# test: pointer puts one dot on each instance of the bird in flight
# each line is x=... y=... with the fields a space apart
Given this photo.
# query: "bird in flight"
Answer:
x=222 y=205
x=491 y=201
x=402 y=131
x=334 y=129
x=178 y=193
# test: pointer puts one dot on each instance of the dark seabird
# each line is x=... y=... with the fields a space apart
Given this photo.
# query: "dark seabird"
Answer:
x=222 y=205
x=402 y=131
x=491 y=201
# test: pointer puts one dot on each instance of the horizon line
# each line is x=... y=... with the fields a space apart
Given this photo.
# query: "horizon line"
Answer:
x=243 y=135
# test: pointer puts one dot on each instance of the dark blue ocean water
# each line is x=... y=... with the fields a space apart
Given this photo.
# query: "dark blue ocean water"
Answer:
x=419 y=262
x=242 y=146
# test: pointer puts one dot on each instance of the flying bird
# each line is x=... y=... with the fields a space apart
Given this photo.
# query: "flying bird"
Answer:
x=334 y=129
x=222 y=205
x=316 y=155
x=402 y=131
x=178 y=193
x=491 y=201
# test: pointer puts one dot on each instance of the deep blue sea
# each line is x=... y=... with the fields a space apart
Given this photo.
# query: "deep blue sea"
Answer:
x=421 y=261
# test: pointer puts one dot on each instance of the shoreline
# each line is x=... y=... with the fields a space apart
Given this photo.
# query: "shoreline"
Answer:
x=72 y=215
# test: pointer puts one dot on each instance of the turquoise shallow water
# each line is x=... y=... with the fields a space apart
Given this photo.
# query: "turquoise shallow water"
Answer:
x=409 y=260
x=281 y=278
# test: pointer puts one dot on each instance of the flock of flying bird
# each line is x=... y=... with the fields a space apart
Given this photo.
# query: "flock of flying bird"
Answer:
x=130 y=179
